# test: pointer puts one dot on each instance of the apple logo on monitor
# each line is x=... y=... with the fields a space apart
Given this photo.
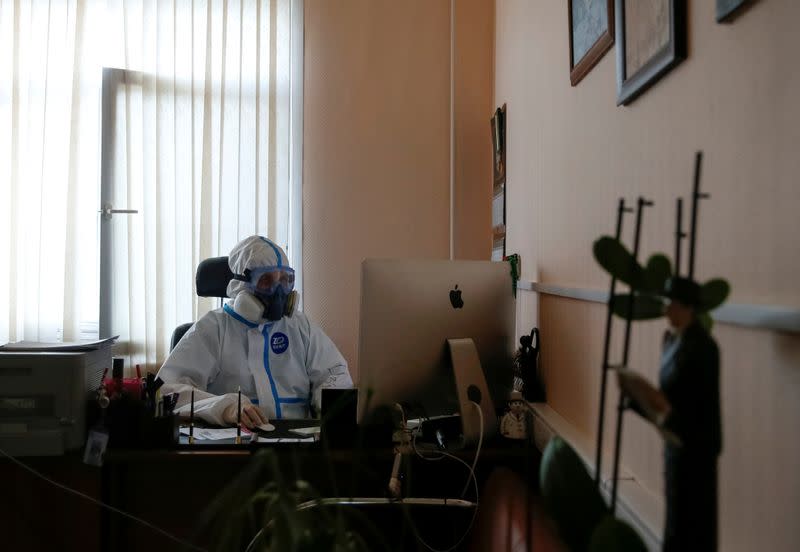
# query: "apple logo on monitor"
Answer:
x=455 y=298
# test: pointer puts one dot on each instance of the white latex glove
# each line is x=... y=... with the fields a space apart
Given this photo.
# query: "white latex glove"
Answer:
x=251 y=415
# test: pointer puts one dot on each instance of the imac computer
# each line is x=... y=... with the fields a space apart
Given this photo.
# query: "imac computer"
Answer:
x=418 y=322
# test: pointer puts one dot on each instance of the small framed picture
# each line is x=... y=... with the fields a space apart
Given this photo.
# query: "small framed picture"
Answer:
x=498 y=123
x=651 y=40
x=591 y=35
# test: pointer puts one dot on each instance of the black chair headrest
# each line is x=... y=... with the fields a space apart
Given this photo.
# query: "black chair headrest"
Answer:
x=212 y=277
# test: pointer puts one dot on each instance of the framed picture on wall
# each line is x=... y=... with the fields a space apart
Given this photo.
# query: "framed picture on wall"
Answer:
x=727 y=9
x=499 y=144
x=591 y=35
x=498 y=126
x=651 y=40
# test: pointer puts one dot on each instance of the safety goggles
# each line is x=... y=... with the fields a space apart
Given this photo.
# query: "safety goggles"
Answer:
x=267 y=279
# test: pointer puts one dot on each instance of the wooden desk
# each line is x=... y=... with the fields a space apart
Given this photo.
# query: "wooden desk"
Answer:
x=171 y=488
x=35 y=515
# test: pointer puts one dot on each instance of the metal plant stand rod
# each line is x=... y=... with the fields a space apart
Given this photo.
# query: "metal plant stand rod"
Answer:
x=641 y=204
x=621 y=210
x=698 y=161
x=679 y=235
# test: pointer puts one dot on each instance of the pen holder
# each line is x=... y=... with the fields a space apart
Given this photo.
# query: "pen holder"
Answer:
x=159 y=432
x=123 y=419
x=131 y=425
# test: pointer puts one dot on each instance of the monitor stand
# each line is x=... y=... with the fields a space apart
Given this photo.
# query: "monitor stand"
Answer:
x=471 y=387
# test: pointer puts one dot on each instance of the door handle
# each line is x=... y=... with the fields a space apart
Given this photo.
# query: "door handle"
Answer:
x=108 y=211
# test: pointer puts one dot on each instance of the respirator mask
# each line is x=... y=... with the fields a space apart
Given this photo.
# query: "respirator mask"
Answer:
x=270 y=293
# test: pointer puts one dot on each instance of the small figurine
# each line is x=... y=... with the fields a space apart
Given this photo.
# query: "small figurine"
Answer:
x=686 y=409
x=689 y=380
x=526 y=362
x=514 y=424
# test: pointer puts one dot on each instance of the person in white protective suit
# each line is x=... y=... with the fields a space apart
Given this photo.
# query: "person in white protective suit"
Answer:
x=256 y=342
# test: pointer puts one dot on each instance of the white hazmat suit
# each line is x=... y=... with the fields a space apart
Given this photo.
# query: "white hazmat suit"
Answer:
x=281 y=365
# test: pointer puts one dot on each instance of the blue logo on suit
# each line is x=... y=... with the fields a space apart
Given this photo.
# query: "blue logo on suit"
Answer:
x=279 y=343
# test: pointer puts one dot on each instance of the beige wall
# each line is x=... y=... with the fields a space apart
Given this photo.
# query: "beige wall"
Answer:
x=572 y=153
x=377 y=143
x=474 y=88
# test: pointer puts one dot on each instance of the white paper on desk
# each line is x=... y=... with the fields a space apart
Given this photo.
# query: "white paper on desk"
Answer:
x=212 y=434
x=58 y=347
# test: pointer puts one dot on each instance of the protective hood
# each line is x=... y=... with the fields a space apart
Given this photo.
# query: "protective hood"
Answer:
x=252 y=253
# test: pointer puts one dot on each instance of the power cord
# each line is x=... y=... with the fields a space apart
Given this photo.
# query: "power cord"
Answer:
x=471 y=477
x=102 y=504
x=401 y=439
x=474 y=512
x=478 y=450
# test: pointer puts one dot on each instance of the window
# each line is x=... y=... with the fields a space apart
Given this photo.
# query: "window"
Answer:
x=198 y=135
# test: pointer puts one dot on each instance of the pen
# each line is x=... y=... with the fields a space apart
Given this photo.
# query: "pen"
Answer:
x=239 y=418
x=169 y=403
x=102 y=393
x=150 y=393
x=117 y=369
x=191 y=420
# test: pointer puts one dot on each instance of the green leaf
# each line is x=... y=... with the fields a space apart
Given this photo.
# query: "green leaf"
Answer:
x=570 y=494
x=656 y=273
x=617 y=261
x=615 y=534
x=645 y=306
x=713 y=293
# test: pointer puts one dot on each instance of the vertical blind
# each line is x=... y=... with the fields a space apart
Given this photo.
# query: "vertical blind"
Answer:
x=201 y=148
x=49 y=147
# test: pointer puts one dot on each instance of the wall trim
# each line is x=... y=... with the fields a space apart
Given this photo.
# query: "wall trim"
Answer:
x=768 y=317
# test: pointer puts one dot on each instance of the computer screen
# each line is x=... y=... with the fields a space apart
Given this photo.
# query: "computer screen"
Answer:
x=409 y=309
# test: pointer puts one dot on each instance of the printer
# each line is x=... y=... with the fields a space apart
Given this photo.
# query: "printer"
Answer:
x=43 y=398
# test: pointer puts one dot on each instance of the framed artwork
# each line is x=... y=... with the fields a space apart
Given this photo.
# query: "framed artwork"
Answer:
x=499 y=144
x=726 y=9
x=591 y=35
x=651 y=40
x=498 y=124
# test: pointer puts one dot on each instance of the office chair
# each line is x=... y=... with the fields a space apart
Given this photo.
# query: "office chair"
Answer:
x=211 y=280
